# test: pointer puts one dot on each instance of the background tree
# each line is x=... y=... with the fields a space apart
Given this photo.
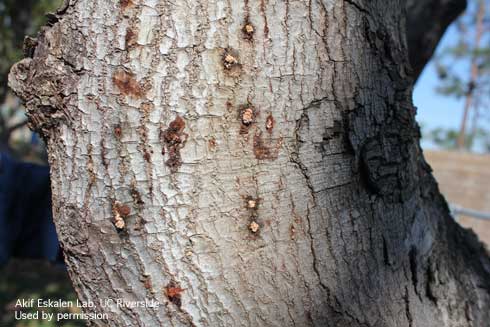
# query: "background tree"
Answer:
x=472 y=83
x=250 y=163
x=447 y=138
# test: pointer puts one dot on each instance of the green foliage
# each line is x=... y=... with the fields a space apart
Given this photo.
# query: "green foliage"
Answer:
x=453 y=63
x=451 y=85
x=446 y=138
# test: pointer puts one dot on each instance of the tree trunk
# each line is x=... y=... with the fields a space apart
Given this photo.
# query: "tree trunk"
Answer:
x=246 y=163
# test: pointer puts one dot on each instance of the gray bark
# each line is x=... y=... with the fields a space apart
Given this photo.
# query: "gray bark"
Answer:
x=249 y=163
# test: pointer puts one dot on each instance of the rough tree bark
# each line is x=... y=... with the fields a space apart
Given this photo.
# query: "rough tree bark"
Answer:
x=427 y=20
x=248 y=163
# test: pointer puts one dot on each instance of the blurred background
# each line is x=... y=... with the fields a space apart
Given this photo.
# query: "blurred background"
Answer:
x=30 y=263
x=453 y=100
x=452 y=96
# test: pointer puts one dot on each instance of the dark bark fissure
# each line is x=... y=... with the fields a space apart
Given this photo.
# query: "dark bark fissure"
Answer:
x=412 y=254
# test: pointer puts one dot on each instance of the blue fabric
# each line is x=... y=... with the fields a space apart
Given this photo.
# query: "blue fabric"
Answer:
x=26 y=225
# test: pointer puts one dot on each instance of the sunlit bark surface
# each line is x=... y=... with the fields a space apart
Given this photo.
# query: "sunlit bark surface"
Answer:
x=246 y=163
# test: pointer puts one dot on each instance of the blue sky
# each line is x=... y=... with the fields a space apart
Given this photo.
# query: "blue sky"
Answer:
x=435 y=110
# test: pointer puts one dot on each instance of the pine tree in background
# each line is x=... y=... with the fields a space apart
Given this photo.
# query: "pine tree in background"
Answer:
x=464 y=73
